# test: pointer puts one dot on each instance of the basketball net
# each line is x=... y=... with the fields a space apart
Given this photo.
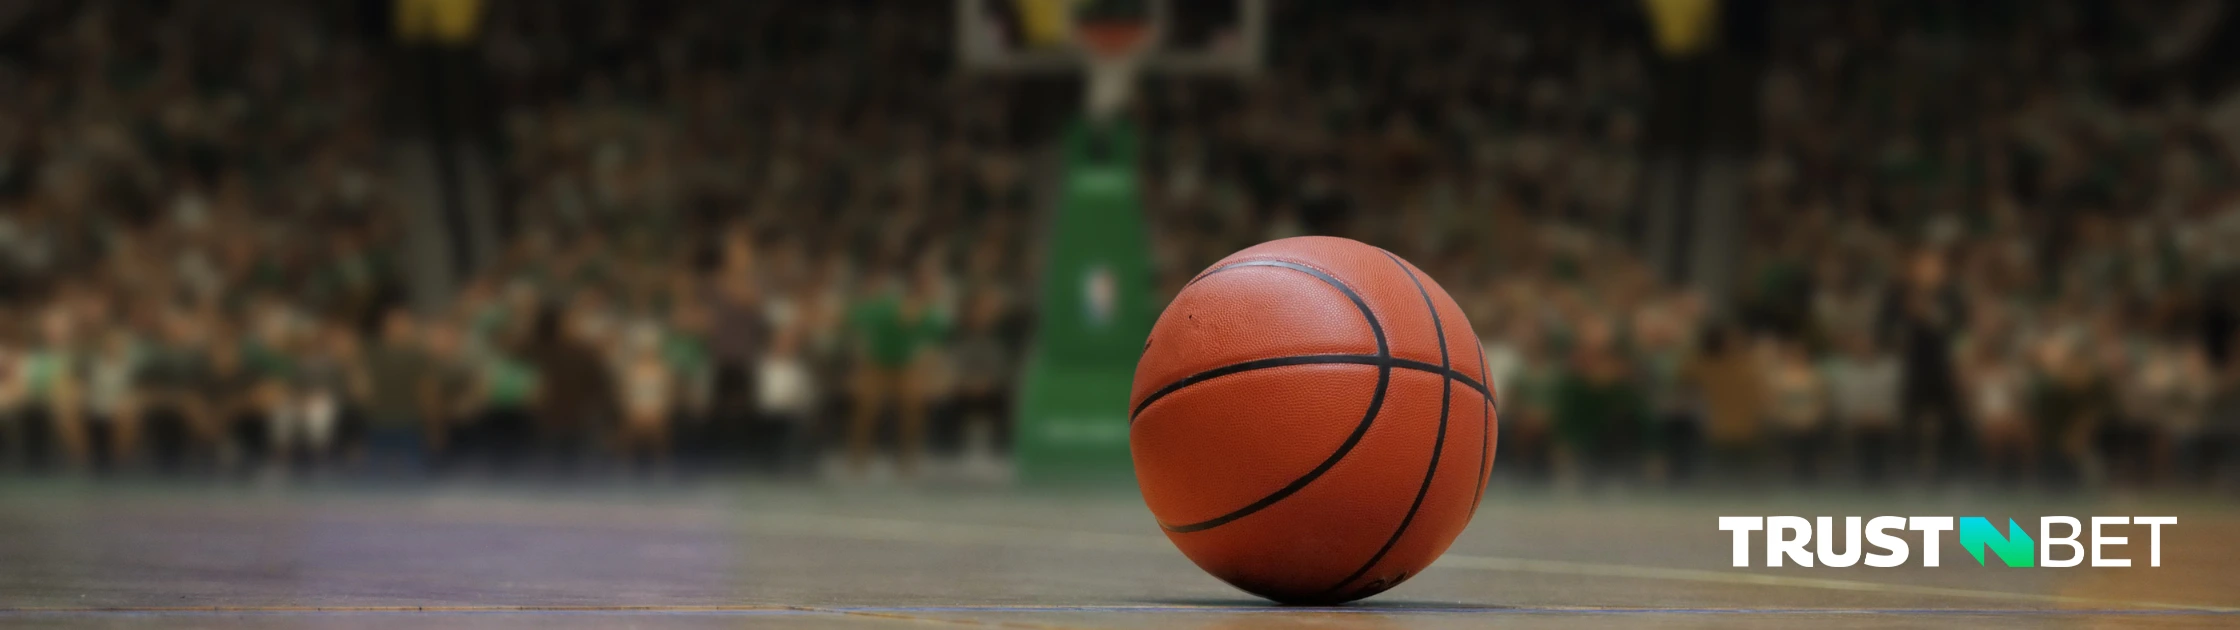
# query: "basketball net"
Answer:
x=1115 y=51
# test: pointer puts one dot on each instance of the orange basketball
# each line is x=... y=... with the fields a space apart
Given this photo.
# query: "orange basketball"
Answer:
x=1311 y=421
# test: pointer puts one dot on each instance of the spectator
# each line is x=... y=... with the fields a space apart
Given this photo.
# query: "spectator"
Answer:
x=1862 y=383
x=894 y=326
x=508 y=386
x=2165 y=400
x=788 y=400
x=736 y=327
x=1733 y=398
x=684 y=349
x=112 y=404
x=326 y=381
x=1797 y=407
x=649 y=396
x=52 y=398
x=176 y=414
x=238 y=401
x=2188 y=404
x=1921 y=316
x=983 y=365
x=1527 y=406
x=1676 y=410
x=1995 y=389
x=1599 y=409
x=2217 y=446
x=449 y=388
x=402 y=430
x=576 y=392
x=2074 y=403
x=13 y=390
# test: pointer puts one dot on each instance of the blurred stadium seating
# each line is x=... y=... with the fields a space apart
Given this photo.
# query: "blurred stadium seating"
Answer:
x=1863 y=242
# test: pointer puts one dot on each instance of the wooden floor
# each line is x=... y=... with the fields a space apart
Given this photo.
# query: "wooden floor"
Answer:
x=76 y=554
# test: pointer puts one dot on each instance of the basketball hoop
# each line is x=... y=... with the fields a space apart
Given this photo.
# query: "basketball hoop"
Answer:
x=1114 y=50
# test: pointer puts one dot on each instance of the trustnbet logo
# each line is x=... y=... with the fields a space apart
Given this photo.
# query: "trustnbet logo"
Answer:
x=1786 y=538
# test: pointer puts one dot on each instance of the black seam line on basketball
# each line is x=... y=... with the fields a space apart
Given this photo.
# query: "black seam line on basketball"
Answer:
x=1375 y=328
x=1430 y=471
x=1308 y=359
x=1360 y=429
x=1485 y=434
x=1384 y=351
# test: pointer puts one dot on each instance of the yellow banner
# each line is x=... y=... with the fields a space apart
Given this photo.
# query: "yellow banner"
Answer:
x=1043 y=22
x=1682 y=27
x=438 y=21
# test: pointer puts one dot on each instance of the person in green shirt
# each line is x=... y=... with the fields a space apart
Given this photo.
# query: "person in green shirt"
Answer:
x=110 y=397
x=52 y=388
x=508 y=390
x=893 y=328
x=1600 y=410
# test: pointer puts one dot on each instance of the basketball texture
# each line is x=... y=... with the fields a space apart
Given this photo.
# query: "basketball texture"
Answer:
x=1310 y=420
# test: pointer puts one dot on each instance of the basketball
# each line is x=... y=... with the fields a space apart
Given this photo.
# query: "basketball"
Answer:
x=1311 y=420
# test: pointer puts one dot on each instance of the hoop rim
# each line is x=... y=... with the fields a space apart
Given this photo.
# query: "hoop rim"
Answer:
x=1104 y=40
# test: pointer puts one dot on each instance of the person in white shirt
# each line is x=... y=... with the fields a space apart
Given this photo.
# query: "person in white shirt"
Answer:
x=1995 y=390
x=786 y=401
x=2167 y=401
x=1798 y=407
x=1863 y=399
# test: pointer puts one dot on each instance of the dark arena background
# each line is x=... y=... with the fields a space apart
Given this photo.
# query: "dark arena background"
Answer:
x=821 y=313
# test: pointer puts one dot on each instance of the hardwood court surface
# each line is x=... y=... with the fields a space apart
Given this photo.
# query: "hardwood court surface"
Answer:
x=76 y=554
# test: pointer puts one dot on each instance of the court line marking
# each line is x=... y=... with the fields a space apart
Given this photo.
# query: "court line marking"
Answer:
x=407 y=609
x=752 y=609
x=896 y=530
x=884 y=613
x=951 y=621
x=1588 y=569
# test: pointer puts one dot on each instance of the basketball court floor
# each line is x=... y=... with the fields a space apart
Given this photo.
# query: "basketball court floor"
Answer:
x=733 y=554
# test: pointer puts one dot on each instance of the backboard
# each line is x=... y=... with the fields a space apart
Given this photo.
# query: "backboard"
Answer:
x=1042 y=36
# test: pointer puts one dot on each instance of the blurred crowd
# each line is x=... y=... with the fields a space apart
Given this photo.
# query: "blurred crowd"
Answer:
x=1988 y=242
x=791 y=225
x=2037 y=223
x=2032 y=209
x=725 y=244
x=193 y=223
x=1991 y=242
